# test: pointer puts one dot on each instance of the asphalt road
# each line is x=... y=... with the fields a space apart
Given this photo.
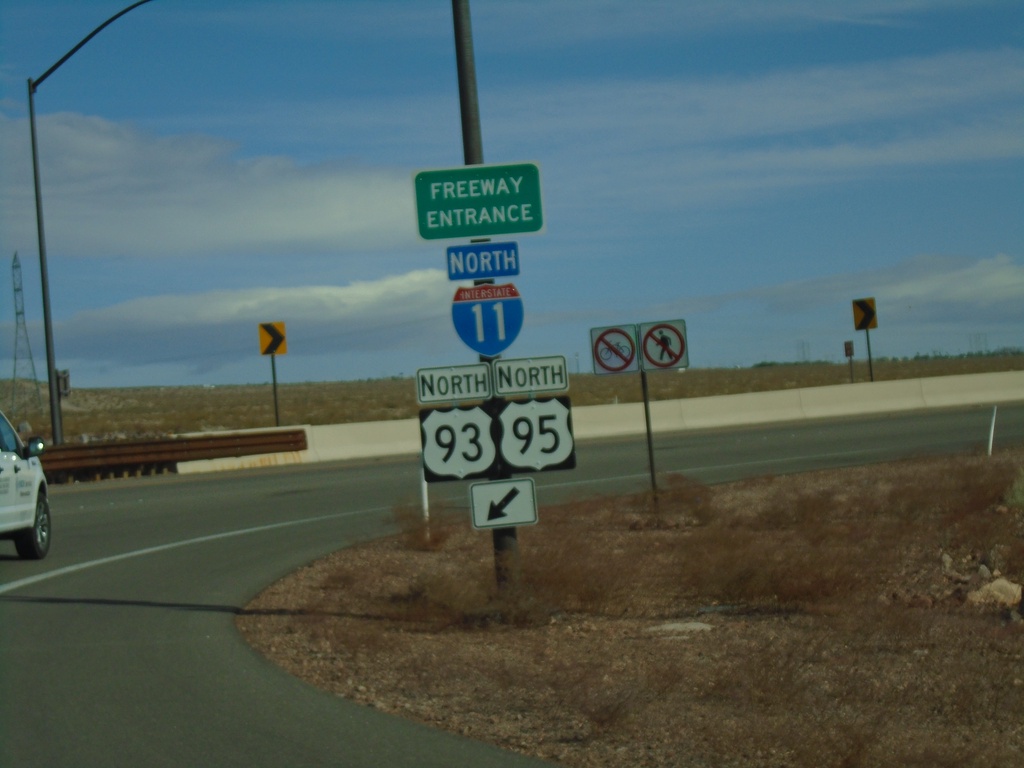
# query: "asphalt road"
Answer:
x=120 y=648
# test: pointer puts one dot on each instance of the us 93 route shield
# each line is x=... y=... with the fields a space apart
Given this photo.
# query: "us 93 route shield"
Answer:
x=480 y=441
x=457 y=443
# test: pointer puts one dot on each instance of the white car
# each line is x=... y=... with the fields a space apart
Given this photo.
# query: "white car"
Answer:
x=24 y=508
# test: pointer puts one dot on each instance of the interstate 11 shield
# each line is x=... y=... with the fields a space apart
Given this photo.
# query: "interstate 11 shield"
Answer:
x=488 y=318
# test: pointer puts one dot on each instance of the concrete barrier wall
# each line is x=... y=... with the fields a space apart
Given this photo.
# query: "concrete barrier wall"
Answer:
x=362 y=440
x=864 y=398
x=944 y=391
x=734 y=410
x=395 y=438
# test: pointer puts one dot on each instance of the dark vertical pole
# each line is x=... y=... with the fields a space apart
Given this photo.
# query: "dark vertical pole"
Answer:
x=506 y=545
x=472 y=143
x=871 y=367
x=273 y=373
x=650 y=438
x=56 y=420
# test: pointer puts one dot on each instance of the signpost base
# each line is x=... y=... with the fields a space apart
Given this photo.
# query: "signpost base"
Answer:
x=650 y=437
x=506 y=557
x=871 y=367
x=273 y=374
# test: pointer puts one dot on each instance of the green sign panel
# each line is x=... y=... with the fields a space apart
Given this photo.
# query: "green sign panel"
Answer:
x=478 y=201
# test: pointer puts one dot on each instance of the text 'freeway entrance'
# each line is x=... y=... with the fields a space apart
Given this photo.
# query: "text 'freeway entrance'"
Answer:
x=478 y=201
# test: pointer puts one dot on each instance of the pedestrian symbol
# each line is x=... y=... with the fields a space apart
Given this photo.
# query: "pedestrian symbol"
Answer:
x=663 y=345
x=666 y=345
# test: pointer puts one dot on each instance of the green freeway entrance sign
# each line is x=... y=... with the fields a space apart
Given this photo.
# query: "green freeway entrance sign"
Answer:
x=478 y=201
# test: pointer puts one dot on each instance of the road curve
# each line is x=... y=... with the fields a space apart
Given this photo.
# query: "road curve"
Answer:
x=120 y=649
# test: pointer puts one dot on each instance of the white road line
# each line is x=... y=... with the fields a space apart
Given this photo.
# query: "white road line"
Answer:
x=13 y=585
x=711 y=468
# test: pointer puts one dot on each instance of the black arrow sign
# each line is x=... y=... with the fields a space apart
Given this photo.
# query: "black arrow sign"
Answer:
x=276 y=338
x=866 y=319
x=498 y=508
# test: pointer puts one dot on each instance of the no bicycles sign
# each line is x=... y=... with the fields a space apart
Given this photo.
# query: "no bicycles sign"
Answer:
x=614 y=349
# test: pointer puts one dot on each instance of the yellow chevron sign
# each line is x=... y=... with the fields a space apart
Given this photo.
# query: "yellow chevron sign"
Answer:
x=272 y=339
x=864 y=316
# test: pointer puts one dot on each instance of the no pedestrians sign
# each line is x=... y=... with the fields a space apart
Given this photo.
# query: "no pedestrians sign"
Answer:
x=663 y=345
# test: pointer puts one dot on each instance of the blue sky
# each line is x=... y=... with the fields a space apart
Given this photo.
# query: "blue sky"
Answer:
x=750 y=167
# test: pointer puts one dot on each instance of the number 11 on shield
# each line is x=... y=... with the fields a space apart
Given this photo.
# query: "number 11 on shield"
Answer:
x=488 y=318
x=499 y=317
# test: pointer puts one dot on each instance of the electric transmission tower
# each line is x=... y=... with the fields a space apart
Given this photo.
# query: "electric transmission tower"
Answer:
x=24 y=384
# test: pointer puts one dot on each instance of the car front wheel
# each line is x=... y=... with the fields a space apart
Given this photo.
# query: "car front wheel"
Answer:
x=33 y=543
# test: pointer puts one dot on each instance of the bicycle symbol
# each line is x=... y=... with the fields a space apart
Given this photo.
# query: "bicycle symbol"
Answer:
x=614 y=350
x=618 y=351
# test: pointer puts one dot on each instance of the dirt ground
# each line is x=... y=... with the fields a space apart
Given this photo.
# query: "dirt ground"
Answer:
x=854 y=617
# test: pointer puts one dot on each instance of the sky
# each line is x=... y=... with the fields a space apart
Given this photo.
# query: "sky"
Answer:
x=748 y=167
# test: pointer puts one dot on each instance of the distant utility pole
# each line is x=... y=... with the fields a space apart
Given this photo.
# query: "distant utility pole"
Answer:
x=24 y=365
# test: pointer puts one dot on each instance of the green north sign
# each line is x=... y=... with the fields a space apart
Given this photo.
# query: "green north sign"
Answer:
x=478 y=201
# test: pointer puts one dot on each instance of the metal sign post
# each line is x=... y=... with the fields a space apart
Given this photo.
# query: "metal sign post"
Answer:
x=273 y=374
x=865 y=318
x=506 y=547
x=655 y=346
x=273 y=343
x=477 y=201
x=650 y=436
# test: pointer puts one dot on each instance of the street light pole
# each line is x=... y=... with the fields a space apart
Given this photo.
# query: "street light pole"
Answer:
x=56 y=422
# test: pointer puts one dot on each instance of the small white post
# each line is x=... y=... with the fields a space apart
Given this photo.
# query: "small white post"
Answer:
x=992 y=429
x=424 y=496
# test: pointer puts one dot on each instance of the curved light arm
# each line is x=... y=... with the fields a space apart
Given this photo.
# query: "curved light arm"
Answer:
x=56 y=421
x=38 y=81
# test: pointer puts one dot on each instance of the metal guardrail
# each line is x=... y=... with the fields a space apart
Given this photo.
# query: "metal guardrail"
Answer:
x=99 y=461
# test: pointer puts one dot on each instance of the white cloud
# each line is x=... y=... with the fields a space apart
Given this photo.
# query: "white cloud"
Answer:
x=402 y=296
x=925 y=304
x=942 y=283
x=675 y=146
x=402 y=322
x=946 y=108
x=936 y=286
x=111 y=189
x=216 y=328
